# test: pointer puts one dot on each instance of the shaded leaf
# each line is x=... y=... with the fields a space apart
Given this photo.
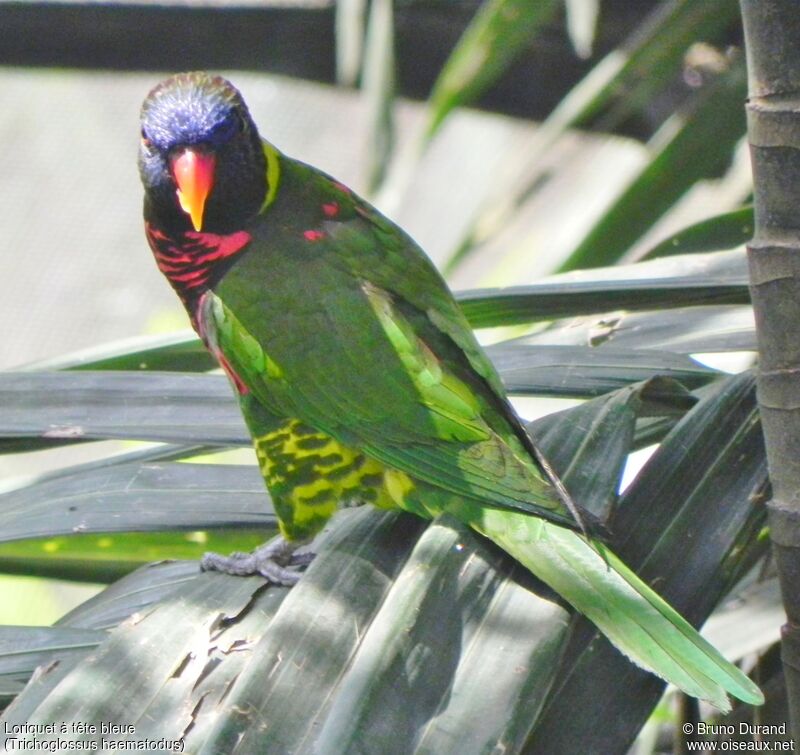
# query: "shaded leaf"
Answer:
x=177 y=352
x=70 y=406
x=700 y=279
x=440 y=684
x=689 y=330
x=725 y=231
x=39 y=408
x=719 y=278
x=585 y=371
x=713 y=466
x=22 y=649
x=628 y=79
x=135 y=592
x=600 y=433
x=137 y=497
x=225 y=629
x=128 y=686
x=437 y=663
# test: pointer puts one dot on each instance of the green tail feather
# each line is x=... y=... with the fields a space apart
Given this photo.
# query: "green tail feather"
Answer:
x=634 y=618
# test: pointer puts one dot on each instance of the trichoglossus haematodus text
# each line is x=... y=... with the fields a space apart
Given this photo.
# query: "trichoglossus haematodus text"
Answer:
x=359 y=377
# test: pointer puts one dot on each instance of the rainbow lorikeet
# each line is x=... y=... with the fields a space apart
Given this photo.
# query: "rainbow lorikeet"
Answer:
x=359 y=377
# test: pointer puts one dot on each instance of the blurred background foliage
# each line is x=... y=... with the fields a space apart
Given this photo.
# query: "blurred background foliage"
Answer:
x=515 y=140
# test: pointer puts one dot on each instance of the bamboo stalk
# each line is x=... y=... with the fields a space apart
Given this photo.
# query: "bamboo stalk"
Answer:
x=772 y=35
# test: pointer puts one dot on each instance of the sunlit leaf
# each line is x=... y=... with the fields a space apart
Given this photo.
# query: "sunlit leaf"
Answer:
x=350 y=26
x=500 y=29
x=104 y=558
x=694 y=145
x=617 y=88
x=378 y=86
x=582 y=24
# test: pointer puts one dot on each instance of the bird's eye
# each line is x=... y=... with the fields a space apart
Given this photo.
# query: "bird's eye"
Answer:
x=230 y=127
x=146 y=143
x=234 y=123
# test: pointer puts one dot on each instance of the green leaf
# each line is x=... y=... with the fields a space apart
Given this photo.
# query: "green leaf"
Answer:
x=138 y=492
x=22 y=649
x=38 y=409
x=449 y=616
x=378 y=84
x=104 y=558
x=456 y=665
x=726 y=231
x=78 y=632
x=176 y=352
x=627 y=80
x=135 y=592
x=475 y=711
x=719 y=278
x=137 y=496
x=690 y=147
x=619 y=87
x=350 y=24
x=587 y=371
x=668 y=283
x=499 y=31
x=588 y=445
x=81 y=405
x=123 y=691
x=689 y=330
x=714 y=463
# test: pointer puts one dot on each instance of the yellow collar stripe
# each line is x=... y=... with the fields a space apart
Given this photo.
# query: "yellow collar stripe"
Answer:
x=273 y=174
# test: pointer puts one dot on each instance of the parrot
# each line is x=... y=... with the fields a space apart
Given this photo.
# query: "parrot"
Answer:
x=359 y=378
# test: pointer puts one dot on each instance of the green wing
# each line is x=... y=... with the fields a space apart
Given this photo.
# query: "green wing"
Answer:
x=349 y=328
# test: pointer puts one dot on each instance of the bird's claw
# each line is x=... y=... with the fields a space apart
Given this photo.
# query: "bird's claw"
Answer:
x=277 y=561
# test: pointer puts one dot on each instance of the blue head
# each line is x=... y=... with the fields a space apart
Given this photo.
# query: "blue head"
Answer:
x=200 y=158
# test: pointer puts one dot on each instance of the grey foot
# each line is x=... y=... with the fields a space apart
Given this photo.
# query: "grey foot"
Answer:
x=276 y=561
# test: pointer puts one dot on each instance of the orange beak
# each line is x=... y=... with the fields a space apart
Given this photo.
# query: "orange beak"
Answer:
x=193 y=171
